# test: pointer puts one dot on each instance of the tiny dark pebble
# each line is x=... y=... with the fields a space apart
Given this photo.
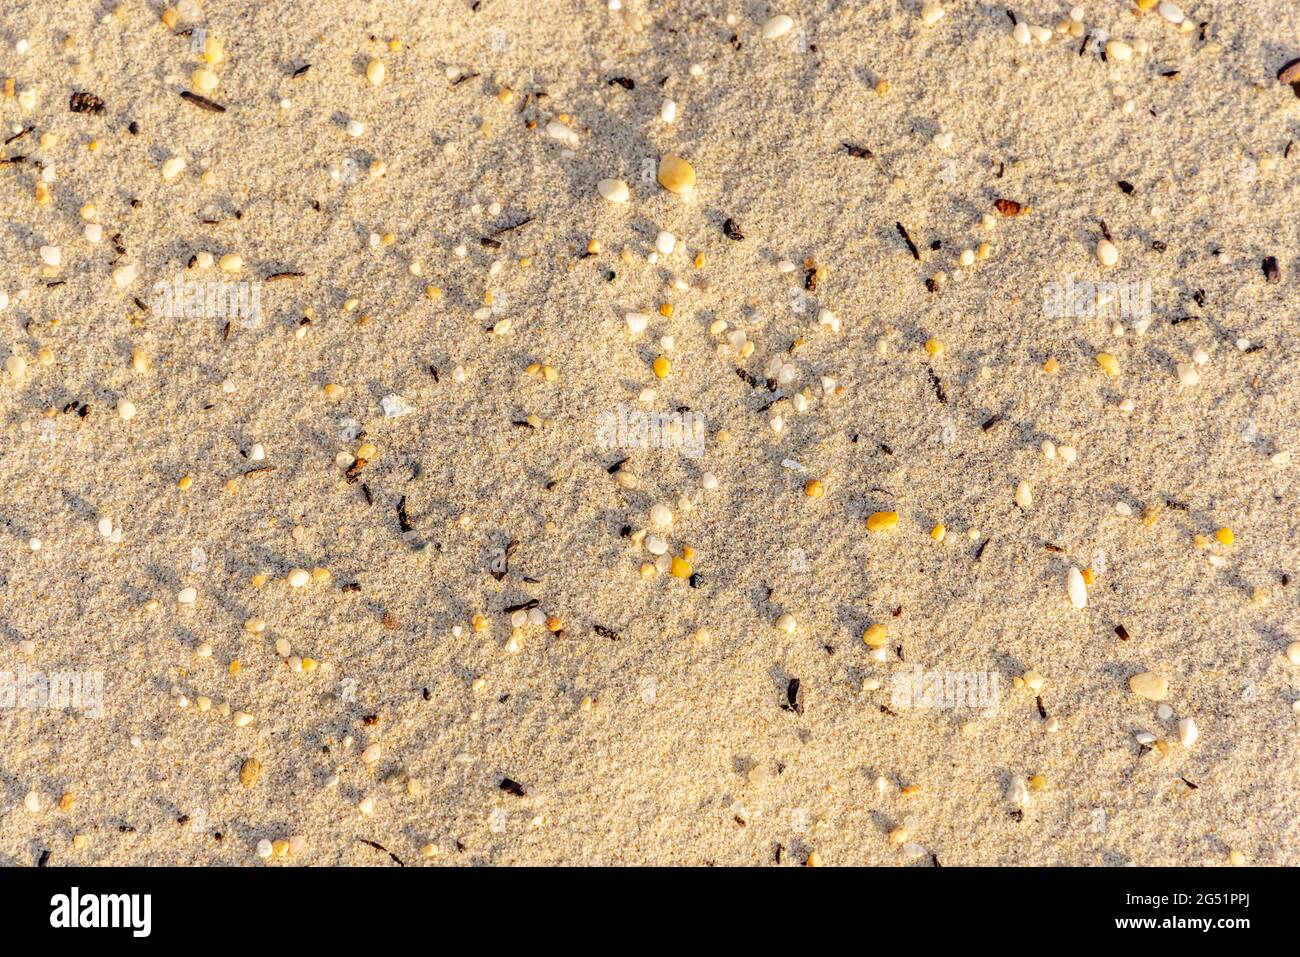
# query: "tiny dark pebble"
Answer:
x=83 y=102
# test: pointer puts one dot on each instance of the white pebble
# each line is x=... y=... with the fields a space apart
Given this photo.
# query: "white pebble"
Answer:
x=298 y=578
x=356 y=128
x=1187 y=732
x=660 y=515
x=1020 y=32
x=1187 y=374
x=51 y=255
x=710 y=482
x=786 y=623
x=173 y=167
x=187 y=596
x=666 y=242
x=668 y=111
x=1170 y=12
x=93 y=232
x=126 y=409
x=1077 y=590
x=931 y=13
x=124 y=275
x=1024 y=496
x=614 y=190
x=777 y=26
x=1107 y=254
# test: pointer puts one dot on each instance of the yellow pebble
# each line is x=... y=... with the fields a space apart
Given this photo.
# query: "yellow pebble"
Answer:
x=66 y=801
x=675 y=174
x=320 y=574
x=1088 y=576
x=1225 y=536
x=681 y=568
x=1051 y=366
x=666 y=310
x=874 y=636
x=185 y=482
x=699 y=260
x=647 y=570
x=367 y=451
x=234 y=667
x=662 y=367
x=554 y=624
x=882 y=521
x=1108 y=363
x=814 y=488
x=213 y=50
x=938 y=532
x=934 y=347
x=433 y=292
x=1037 y=782
x=478 y=622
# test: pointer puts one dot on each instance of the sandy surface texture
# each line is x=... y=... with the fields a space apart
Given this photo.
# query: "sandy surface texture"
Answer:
x=392 y=467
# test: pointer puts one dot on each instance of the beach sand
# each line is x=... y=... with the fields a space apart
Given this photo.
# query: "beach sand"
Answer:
x=458 y=254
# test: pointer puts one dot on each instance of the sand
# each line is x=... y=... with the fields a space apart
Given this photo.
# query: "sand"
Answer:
x=658 y=724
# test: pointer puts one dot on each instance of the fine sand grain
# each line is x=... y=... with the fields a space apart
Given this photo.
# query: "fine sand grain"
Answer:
x=329 y=330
